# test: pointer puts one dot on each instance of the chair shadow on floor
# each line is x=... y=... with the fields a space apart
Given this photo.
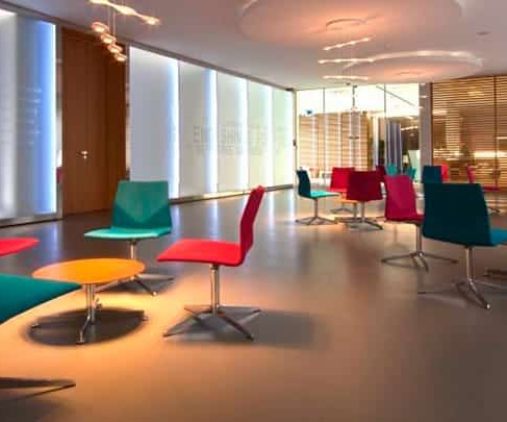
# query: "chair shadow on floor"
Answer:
x=63 y=329
x=16 y=406
x=270 y=328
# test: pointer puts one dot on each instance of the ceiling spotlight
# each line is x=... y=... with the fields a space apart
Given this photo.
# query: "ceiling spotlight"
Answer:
x=150 y=20
x=344 y=23
x=347 y=77
x=99 y=27
x=119 y=57
x=114 y=48
x=347 y=44
x=351 y=60
x=108 y=38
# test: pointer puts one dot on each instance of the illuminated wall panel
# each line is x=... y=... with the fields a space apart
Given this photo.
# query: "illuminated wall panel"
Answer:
x=154 y=118
x=260 y=134
x=232 y=133
x=198 y=126
x=27 y=117
x=283 y=137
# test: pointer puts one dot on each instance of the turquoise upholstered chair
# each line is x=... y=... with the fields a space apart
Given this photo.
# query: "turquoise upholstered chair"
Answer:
x=391 y=170
x=305 y=191
x=432 y=174
x=19 y=294
x=457 y=213
x=140 y=211
x=411 y=172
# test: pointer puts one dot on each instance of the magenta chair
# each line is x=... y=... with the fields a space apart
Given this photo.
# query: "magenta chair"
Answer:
x=339 y=184
x=364 y=187
x=401 y=207
x=217 y=253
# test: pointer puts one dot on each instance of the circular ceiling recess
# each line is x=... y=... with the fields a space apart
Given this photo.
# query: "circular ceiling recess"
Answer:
x=417 y=66
x=318 y=23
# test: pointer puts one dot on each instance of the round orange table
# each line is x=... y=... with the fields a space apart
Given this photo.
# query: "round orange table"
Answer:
x=91 y=273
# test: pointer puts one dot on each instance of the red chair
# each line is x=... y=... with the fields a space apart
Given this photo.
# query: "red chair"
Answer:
x=401 y=207
x=364 y=186
x=444 y=168
x=339 y=184
x=485 y=188
x=217 y=253
x=13 y=245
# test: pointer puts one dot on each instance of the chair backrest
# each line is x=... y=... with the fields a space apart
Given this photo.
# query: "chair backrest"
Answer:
x=392 y=170
x=304 y=186
x=411 y=172
x=470 y=174
x=444 y=168
x=246 y=234
x=142 y=205
x=456 y=213
x=381 y=169
x=432 y=174
x=400 y=197
x=340 y=178
x=364 y=186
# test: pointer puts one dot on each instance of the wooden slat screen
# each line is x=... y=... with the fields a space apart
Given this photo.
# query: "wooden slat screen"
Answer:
x=469 y=124
x=324 y=142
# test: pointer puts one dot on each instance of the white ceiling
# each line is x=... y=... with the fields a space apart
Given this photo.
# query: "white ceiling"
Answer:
x=281 y=41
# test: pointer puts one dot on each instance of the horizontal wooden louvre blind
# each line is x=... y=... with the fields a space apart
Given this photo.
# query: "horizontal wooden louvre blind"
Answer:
x=470 y=128
x=325 y=142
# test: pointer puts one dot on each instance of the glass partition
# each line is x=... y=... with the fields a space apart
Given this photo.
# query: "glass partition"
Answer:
x=28 y=130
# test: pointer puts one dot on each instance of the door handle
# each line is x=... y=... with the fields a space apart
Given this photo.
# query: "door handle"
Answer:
x=83 y=154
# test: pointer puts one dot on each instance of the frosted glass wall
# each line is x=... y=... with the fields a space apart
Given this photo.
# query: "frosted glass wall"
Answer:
x=27 y=117
x=154 y=118
x=206 y=131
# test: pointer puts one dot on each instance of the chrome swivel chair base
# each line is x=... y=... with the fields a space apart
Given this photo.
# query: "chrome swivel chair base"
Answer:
x=139 y=279
x=469 y=282
x=419 y=255
x=203 y=314
x=361 y=222
x=315 y=219
x=48 y=385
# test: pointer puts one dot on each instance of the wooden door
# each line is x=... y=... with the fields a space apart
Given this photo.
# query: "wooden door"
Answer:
x=93 y=123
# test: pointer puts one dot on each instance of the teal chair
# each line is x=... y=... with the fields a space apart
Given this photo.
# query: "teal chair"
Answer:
x=411 y=172
x=432 y=174
x=457 y=213
x=17 y=295
x=140 y=211
x=305 y=191
x=392 y=170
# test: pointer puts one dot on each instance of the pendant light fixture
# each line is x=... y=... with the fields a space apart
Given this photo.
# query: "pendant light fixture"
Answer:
x=107 y=32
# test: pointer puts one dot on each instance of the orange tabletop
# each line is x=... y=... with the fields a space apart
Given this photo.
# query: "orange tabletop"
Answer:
x=91 y=271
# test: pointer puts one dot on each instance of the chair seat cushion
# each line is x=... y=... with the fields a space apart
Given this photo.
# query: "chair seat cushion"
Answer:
x=203 y=251
x=120 y=233
x=16 y=244
x=20 y=293
x=316 y=194
x=498 y=236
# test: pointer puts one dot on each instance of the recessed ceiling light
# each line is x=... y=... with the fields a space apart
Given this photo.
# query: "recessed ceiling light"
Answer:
x=344 y=23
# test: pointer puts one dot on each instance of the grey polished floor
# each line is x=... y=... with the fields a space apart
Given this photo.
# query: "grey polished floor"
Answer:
x=342 y=337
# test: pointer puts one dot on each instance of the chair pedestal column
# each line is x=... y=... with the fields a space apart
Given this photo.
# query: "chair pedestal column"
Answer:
x=203 y=314
x=361 y=222
x=418 y=253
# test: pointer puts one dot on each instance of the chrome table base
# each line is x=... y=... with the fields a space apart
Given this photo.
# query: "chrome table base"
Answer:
x=92 y=306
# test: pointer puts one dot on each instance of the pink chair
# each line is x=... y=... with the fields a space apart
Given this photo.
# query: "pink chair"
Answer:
x=217 y=253
x=339 y=184
x=444 y=168
x=401 y=207
x=364 y=186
